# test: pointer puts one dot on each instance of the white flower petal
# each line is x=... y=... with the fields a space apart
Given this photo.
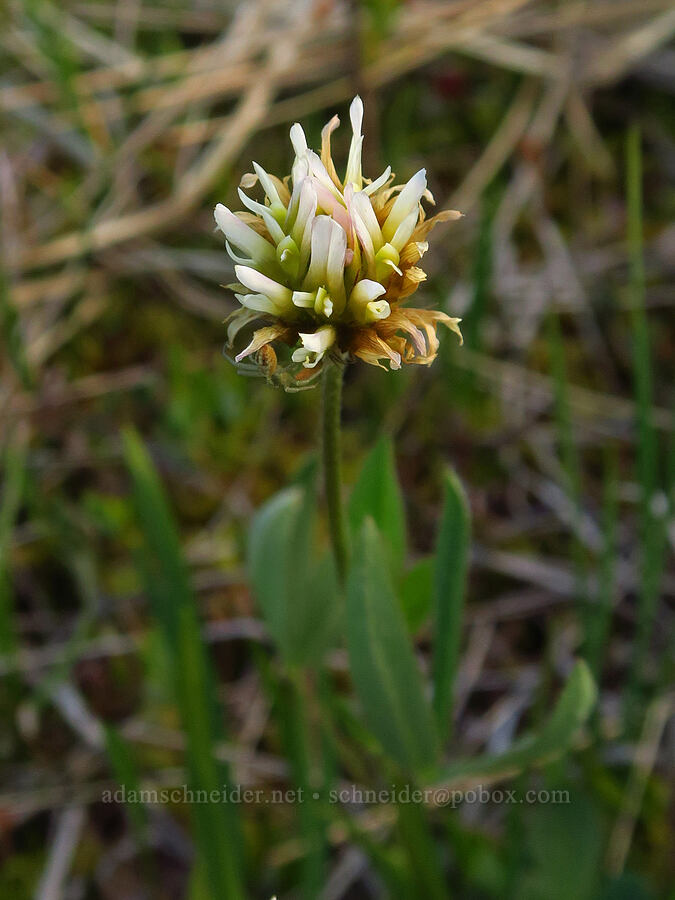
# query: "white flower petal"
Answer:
x=405 y=229
x=275 y=230
x=362 y=232
x=335 y=266
x=366 y=290
x=331 y=205
x=320 y=173
x=306 y=244
x=258 y=302
x=356 y=115
x=299 y=173
x=322 y=230
x=314 y=345
x=363 y=302
x=242 y=236
x=308 y=358
x=268 y=185
x=378 y=183
x=242 y=260
x=299 y=169
x=306 y=211
x=353 y=174
x=304 y=299
x=261 y=284
x=405 y=203
x=377 y=310
x=298 y=139
x=320 y=340
x=363 y=206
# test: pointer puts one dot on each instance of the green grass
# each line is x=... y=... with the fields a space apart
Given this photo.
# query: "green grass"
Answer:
x=166 y=580
x=652 y=503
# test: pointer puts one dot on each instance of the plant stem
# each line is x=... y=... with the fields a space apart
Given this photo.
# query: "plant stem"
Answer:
x=332 y=403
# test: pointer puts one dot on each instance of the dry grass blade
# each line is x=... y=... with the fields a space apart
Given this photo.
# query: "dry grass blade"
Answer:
x=69 y=826
x=646 y=752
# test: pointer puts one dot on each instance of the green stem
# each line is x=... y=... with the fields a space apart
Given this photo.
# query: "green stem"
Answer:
x=332 y=402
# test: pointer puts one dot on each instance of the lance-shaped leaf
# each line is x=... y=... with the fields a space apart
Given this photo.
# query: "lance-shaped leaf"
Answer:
x=573 y=708
x=452 y=555
x=296 y=589
x=416 y=592
x=383 y=665
x=126 y=774
x=377 y=494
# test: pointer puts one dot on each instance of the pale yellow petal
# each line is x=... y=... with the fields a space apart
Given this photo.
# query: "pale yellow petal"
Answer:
x=424 y=227
x=264 y=336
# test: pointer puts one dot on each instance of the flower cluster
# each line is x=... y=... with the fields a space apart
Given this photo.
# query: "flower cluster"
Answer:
x=324 y=266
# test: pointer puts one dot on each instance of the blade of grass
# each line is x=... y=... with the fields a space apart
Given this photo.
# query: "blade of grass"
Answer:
x=294 y=717
x=14 y=465
x=428 y=879
x=216 y=825
x=651 y=524
x=126 y=774
x=450 y=571
x=667 y=666
x=305 y=743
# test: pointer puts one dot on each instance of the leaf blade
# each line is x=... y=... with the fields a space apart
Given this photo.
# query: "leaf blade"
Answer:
x=571 y=711
x=450 y=572
x=384 y=670
x=297 y=591
x=377 y=493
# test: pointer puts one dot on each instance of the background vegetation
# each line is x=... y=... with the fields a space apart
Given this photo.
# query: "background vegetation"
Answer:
x=134 y=457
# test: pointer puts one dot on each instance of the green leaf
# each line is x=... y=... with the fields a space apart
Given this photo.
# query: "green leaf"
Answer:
x=417 y=589
x=297 y=591
x=377 y=494
x=383 y=665
x=294 y=702
x=452 y=560
x=164 y=570
x=627 y=886
x=421 y=849
x=573 y=708
x=563 y=844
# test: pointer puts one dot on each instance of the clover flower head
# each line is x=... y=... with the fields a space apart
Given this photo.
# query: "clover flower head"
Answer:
x=324 y=266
